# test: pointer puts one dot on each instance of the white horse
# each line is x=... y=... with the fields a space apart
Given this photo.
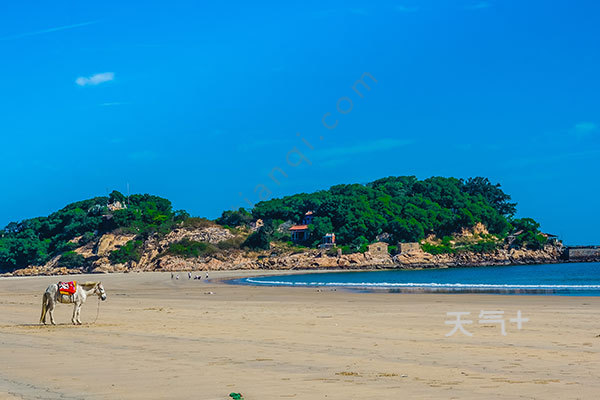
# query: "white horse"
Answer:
x=52 y=296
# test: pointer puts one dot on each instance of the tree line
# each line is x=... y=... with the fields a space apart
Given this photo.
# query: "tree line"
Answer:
x=35 y=241
x=405 y=208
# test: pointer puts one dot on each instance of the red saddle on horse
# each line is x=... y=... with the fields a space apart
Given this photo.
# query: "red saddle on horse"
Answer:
x=67 y=287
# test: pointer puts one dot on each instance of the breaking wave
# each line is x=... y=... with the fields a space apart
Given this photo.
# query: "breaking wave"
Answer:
x=580 y=279
x=417 y=285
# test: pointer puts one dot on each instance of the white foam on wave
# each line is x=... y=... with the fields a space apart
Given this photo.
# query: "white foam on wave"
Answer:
x=419 y=285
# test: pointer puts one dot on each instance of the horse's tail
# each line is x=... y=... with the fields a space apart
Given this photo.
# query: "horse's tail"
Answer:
x=44 y=308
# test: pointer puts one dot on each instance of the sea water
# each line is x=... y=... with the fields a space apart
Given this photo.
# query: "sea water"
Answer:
x=569 y=279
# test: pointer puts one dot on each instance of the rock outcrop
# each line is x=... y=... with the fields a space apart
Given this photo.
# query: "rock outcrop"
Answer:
x=108 y=243
x=154 y=257
x=550 y=254
x=315 y=259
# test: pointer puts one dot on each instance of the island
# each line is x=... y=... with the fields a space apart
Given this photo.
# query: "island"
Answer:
x=393 y=222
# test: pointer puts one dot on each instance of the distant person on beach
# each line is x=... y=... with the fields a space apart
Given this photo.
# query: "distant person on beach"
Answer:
x=189 y=275
x=206 y=276
x=171 y=275
x=177 y=276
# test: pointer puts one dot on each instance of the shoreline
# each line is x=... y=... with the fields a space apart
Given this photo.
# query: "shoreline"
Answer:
x=229 y=278
x=440 y=285
x=345 y=268
x=156 y=256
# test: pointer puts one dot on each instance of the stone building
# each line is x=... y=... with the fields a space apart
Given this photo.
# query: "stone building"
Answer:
x=378 y=249
x=117 y=205
x=412 y=247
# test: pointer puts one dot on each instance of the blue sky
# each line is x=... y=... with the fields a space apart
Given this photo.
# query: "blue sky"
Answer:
x=198 y=102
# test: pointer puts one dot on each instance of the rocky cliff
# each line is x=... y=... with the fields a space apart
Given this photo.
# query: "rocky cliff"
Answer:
x=155 y=258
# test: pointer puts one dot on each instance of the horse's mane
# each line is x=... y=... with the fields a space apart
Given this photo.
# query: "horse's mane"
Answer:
x=88 y=285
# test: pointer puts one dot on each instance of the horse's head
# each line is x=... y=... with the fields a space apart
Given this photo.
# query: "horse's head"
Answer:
x=100 y=291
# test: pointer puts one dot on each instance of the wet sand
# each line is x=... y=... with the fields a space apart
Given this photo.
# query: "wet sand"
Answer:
x=157 y=338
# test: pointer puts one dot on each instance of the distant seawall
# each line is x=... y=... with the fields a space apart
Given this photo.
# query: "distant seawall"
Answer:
x=581 y=253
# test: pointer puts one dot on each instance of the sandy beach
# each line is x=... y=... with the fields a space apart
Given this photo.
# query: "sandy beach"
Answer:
x=157 y=338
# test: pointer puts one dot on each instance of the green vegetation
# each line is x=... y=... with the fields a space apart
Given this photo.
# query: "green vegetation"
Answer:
x=145 y=215
x=332 y=252
x=484 y=246
x=405 y=207
x=34 y=241
x=197 y=223
x=529 y=234
x=131 y=251
x=438 y=249
x=190 y=249
x=232 y=243
x=346 y=249
x=70 y=259
x=235 y=218
x=261 y=239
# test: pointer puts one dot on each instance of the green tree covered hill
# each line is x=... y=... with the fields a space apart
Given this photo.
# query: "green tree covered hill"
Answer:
x=35 y=241
x=406 y=208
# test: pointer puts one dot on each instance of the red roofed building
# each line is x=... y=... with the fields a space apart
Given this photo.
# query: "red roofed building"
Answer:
x=301 y=233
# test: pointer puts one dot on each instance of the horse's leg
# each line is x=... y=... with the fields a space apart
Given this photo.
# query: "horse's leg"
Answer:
x=44 y=309
x=74 y=319
x=51 y=305
x=79 y=314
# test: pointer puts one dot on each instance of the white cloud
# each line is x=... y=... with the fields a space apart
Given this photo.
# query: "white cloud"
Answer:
x=551 y=158
x=584 y=128
x=95 y=79
x=49 y=30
